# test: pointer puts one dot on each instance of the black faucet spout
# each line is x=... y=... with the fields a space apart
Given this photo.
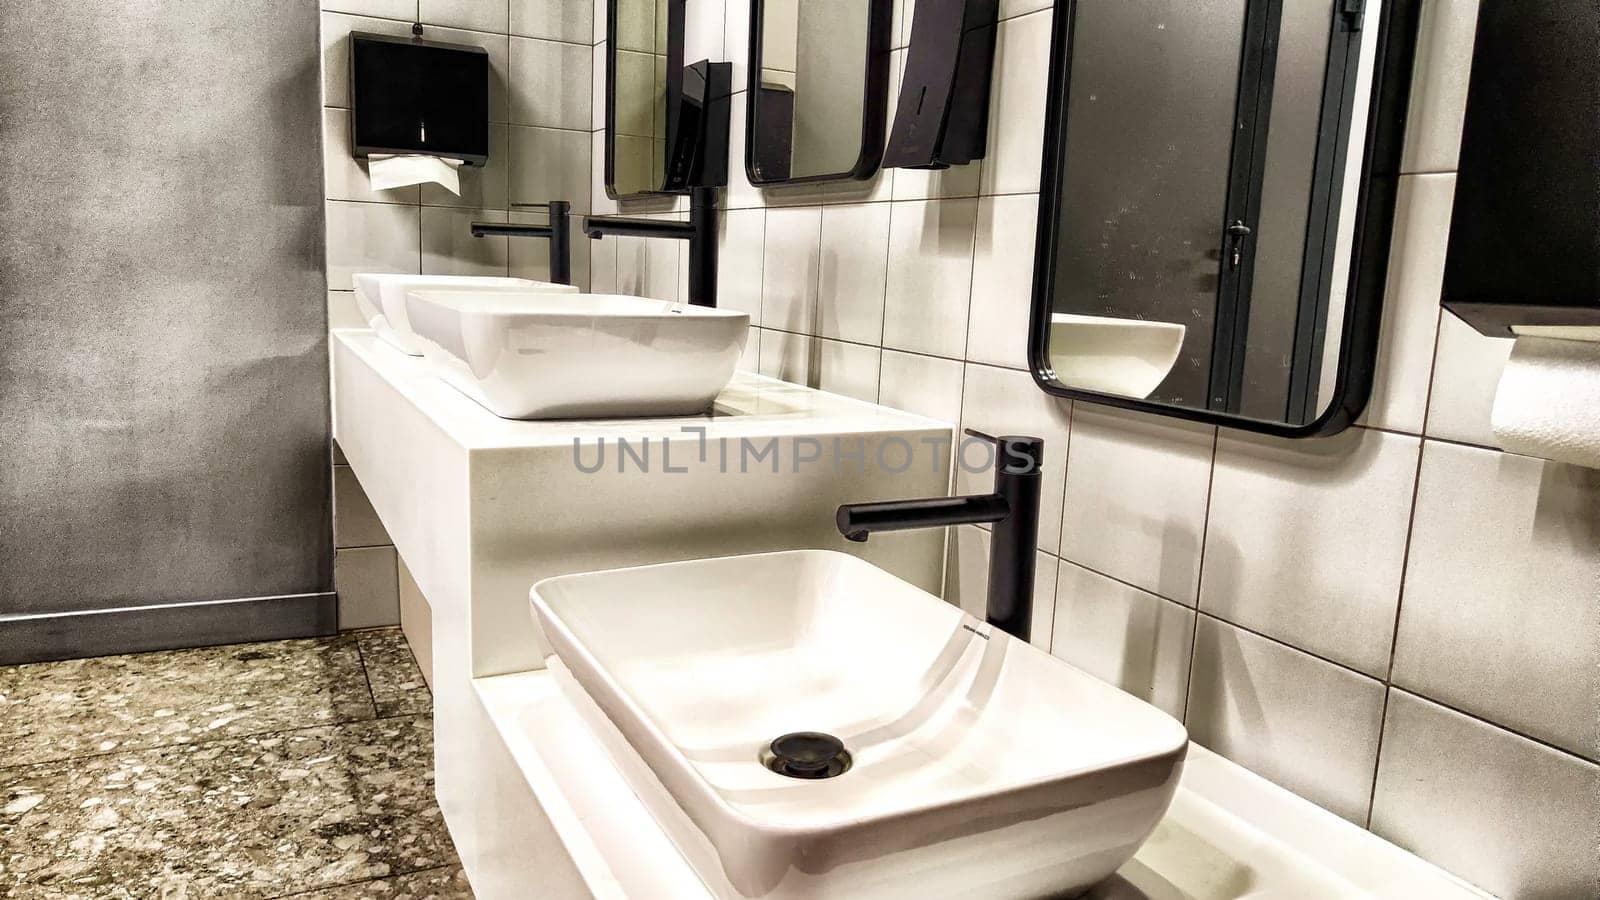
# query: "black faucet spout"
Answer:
x=1013 y=510
x=857 y=521
x=558 y=232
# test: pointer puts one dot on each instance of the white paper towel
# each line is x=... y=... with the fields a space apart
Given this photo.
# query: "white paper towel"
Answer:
x=1548 y=404
x=387 y=172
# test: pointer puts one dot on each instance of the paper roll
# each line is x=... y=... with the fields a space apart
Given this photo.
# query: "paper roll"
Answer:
x=1548 y=403
x=389 y=172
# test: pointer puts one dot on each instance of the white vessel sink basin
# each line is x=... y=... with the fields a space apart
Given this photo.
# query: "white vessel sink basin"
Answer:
x=981 y=766
x=1126 y=357
x=382 y=300
x=535 y=355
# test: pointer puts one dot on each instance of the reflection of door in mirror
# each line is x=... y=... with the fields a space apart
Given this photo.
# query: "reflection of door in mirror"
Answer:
x=813 y=85
x=1201 y=187
x=642 y=31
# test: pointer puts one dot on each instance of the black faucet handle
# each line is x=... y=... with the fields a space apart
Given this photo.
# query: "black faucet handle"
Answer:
x=1021 y=454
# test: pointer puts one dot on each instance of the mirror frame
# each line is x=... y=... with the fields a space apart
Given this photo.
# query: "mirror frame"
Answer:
x=875 y=110
x=675 y=50
x=1390 y=97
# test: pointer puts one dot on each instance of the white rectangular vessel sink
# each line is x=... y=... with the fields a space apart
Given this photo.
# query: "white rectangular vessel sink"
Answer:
x=382 y=299
x=978 y=766
x=551 y=356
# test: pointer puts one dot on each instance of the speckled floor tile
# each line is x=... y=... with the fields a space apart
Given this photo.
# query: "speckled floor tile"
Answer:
x=62 y=710
x=254 y=817
x=437 y=884
x=397 y=685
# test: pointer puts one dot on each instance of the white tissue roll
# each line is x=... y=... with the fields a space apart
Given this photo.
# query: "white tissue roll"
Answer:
x=1548 y=404
x=389 y=172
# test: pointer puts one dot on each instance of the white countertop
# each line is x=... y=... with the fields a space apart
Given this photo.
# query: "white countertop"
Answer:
x=751 y=406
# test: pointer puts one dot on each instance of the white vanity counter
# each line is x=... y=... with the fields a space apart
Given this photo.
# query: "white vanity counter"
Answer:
x=480 y=508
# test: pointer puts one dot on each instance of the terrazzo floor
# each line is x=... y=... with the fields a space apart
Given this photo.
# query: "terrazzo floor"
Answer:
x=287 y=769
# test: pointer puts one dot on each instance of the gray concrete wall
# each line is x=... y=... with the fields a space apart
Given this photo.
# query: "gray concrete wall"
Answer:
x=163 y=356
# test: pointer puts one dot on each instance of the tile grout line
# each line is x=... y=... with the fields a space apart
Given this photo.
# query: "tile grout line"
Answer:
x=361 y=657
x=1200 y=574
x=243 y=736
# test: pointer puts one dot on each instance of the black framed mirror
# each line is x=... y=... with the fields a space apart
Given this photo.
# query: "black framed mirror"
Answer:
x=644 y=71
x=819 y=90
x=1216 y=206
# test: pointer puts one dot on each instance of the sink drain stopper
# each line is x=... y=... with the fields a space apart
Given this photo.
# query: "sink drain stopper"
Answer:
x=810 y=755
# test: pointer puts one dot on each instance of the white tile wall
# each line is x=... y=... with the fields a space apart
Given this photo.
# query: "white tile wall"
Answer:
x=1307 y=724
x=1513 y=816
x=1504 y=575
x=540 y=80
x=1308 y=544
x=1305 y=543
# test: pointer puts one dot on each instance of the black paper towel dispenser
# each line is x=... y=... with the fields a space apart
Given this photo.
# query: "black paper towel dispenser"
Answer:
x=943 y=116
x=1525 y=234
x=411 y=96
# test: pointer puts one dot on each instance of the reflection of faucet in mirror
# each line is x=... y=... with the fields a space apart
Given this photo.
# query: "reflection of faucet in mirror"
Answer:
x=700 y=231
x=559 y=232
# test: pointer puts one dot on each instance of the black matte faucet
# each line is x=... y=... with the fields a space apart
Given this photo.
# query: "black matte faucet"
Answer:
x=700 y=231
x=1013 y=509
x=559 y=232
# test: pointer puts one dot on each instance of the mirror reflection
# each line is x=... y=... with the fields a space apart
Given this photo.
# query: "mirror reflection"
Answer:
x=1202 y=246
x=641 y=55
x=818 y=89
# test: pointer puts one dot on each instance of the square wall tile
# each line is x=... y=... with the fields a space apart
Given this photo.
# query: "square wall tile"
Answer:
x=603 y=267
x=367 y=579
x=852 y=272
x=371 y=237
x=1514 y=817
x=355 y=523
x=343 y=176
x=1002 y=281
x=550 y=83
x=389 y=9
x=741 y=245
x=966 y=581
x=1501 y=616
x=1306 y=724
x=482 y=187
x=551 y=164
x=736 y=43
x=833 y=366
x=925 y=385
x=704 y=34
x=448 y=247
x=647 y=267
x=530 y=257
x=343 y=312
x=572 y=21
x=791 y=261
x=1017 y=105
x=1306 y=540
x=478 y=15
x=1439 y=79
x=336 y=28
x=1411 y=303
x=1466 y=375
x=1124 y=636
x=930 y=276
x=1137 y=489
x=1005 y=401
